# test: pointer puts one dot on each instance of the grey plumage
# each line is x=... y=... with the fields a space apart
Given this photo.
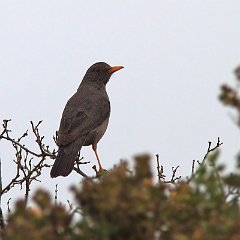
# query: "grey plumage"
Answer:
x=84 y=119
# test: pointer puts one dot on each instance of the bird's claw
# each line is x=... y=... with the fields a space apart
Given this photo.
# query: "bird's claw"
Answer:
x=101 y=172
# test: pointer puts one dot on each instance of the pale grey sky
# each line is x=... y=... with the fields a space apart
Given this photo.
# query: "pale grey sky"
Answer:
x=176 y=55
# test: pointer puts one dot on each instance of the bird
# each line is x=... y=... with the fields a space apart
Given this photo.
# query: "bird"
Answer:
x=84 y=119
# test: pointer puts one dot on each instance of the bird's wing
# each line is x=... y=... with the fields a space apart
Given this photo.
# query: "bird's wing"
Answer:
x=81 y=116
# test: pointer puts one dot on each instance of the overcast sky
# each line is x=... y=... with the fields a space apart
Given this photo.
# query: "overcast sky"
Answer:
x=176 y=55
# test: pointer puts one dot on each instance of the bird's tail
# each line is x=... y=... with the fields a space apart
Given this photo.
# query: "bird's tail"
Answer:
x=64 y=162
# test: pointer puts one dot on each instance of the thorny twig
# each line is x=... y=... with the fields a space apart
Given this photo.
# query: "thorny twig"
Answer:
x=26 y=170
x=21 y=146
x=8 y=205
x=77 y=164
x=174 y=179
x=161 y=176
x=94 y=167
x=193 y=166
x=193 y=172
x=70 y=205
x=218 y=144
x=73 y=210
x=56 y=192
x=209 y=150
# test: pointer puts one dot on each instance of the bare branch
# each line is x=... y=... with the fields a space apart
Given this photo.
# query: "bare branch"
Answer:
x=209 y=150
x=56 y=192
x=161 y=176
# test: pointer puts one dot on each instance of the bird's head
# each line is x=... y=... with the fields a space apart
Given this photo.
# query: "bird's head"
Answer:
x=100 y=73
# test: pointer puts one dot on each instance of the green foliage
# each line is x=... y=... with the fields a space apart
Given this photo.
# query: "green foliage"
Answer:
x=47 y=221
x=131 y=205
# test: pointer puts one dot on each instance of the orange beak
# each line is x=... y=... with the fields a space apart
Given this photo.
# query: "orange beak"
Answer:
x=114 y=69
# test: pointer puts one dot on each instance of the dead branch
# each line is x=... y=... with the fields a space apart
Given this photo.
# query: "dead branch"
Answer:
x=161 y=176
x=209 y=150
x=29 y=163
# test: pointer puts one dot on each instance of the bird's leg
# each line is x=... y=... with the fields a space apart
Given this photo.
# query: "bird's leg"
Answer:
x=94 y=148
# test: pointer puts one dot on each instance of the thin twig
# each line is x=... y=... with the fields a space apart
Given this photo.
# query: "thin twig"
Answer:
x=209 y=150
x=8 y=205
x=158 y=168
x=56 y=192
x=193 y=165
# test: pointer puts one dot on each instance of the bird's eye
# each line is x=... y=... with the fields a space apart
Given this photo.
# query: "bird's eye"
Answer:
x=98 y=70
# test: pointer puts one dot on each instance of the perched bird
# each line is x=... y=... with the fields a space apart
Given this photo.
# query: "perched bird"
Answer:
x=84 y=119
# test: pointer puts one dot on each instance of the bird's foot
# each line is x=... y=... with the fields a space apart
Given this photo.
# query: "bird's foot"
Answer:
x=101 y=172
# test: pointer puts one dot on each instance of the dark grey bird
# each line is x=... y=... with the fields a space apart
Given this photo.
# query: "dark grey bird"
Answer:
x=84 y=119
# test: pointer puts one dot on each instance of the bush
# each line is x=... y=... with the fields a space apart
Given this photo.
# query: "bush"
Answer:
x=130 y=205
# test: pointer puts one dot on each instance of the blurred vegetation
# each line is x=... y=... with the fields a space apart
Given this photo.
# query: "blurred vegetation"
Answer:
x=124 y=204
x=131 y=205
